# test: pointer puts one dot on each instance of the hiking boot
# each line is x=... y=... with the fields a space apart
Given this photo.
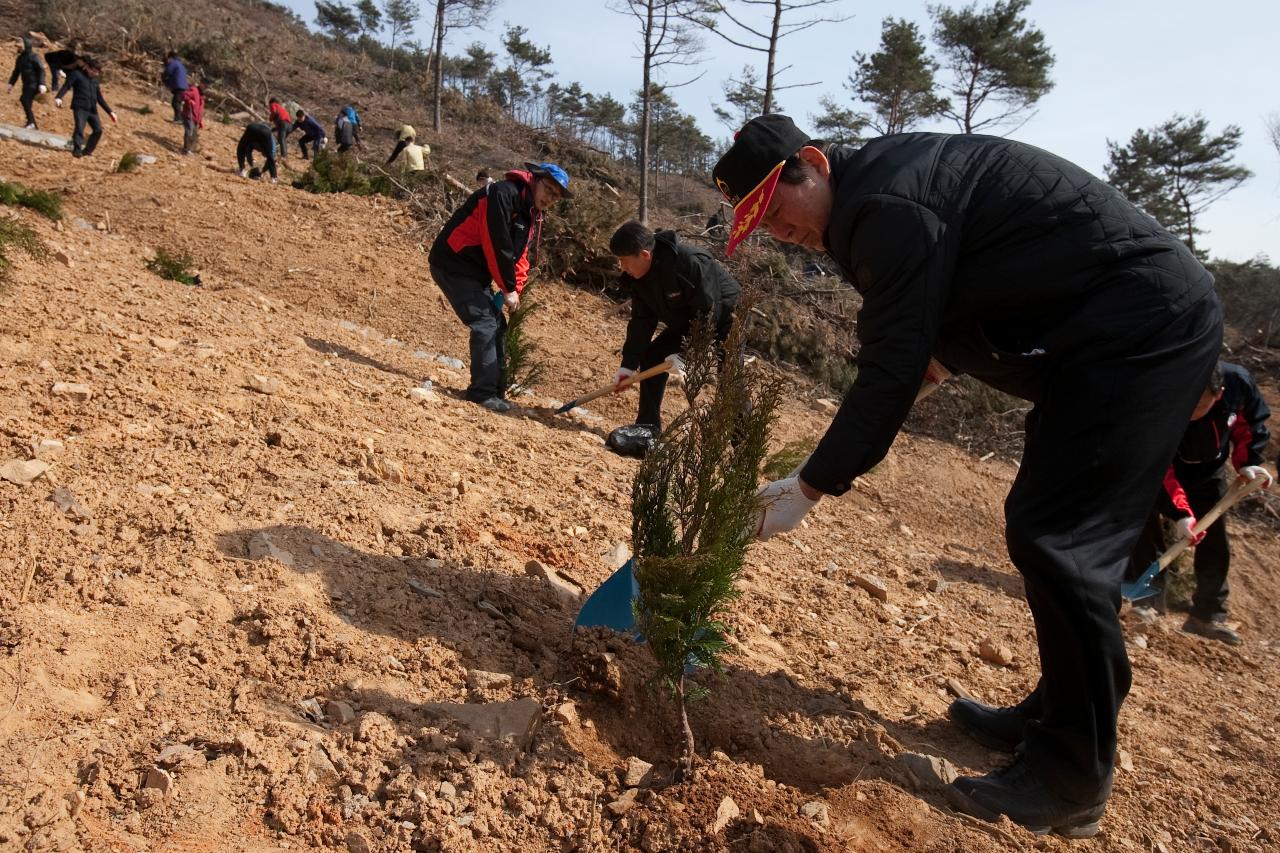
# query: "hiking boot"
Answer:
x=1019 y=793
x=994 y=728
x=497 y=404
x=1212 y=629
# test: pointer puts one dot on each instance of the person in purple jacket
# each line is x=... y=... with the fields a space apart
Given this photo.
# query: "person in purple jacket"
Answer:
x=174 y=77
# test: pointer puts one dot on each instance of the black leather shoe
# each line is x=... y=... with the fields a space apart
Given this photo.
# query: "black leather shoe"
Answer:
x=995 y=728
x=1020 y=794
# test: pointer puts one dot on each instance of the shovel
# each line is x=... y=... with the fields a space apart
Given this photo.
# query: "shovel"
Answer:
x=612 y=605
x=1142 y=588
x=608 y=389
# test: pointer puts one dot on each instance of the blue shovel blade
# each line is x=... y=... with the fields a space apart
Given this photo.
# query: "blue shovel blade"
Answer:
x=1141 y=588
x=612 y=605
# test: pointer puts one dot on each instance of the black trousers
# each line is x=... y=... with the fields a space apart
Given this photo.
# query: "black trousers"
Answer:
x=1212 y=555
x=78 y=145
x=176 y=102
x=27 y=98
x=669 y=342
x=1097 y=445
x=317 y=142
x=472 y=301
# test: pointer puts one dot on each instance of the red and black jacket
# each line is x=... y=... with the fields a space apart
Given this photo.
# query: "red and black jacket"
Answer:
x=490 y=234
x=1234 y=429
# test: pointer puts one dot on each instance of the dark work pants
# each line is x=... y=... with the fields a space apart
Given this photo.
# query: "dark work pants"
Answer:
x=78 y=145
x=27 y=98
x=1097 y=445
x=1212 y=555
x=317 y=142
x=281 y=133
x=176 y=101
x=472 y=301
x=190 y=135
x=669 y=342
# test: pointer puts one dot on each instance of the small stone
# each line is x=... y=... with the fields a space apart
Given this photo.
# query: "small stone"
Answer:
x=566 y=713
x=21 y=472
x=726 y=812
x=873 y=585
x=757 y=818
x=322 y=766
x=927 y=772
x=617 y=554
x=261 y=547
x=566 y=590
x=357 y=843
x=906 y=531
x=993 y=653
x=637 y=772
x=159 y=780
x=47 y=448
x=479 y=679
x=64 y=500
x=624 y=803
x=1140 y=640
x=75 y=801
x=816 y=811
x=263 y=384
x=1124 y=760
x=422 y=589
x=339 y=712
x=830 y=570
x=164 y=344
x=63 y=258
x=827 y=407
x=447 y=790
x=78 y=391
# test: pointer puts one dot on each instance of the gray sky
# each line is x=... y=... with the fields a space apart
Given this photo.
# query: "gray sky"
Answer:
x=1121 y=65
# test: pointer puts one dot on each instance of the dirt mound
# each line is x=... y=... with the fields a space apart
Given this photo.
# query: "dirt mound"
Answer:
x=283 y=601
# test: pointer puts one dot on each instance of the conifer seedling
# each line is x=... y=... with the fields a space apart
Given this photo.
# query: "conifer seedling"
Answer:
x=694 y=513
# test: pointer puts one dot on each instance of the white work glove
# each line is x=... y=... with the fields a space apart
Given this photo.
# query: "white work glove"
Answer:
x=677 y=368
x=623 y=374
x=57 y=102
x=113 y=117
x=42 y=88
x=1253 y=472
x=1185 y=526
x=782 y=505
x=513 y=301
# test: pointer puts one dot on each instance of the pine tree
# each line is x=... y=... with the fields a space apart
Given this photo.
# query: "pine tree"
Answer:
x=993 y=57
x=370 y=17
x=1176 y=170
x=694 y=513
x=337 y=20
x=838 y=124
x=897 y=80
x=523 y=367
x=400 y=16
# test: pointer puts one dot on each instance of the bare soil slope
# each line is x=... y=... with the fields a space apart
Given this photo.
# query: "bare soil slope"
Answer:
x=283 y=604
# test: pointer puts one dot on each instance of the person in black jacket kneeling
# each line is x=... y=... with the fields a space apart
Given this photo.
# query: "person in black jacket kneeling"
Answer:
x=1023 y=270
x=675 y=284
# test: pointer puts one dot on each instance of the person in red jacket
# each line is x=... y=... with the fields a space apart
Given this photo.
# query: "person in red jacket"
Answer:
x=281 y=124
x=1228 y=425
x=192 y=110
x=487 y=241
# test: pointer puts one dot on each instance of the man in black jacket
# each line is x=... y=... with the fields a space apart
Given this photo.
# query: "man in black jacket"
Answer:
x=672 y=283
x=257 y=137
x=85 y=99
x=488 y=239
x=28 y=67
x=1005 y=262
x=61 y=61
x=1228 y=424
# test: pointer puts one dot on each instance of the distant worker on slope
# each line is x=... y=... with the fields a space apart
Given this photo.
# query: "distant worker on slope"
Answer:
x=256 y=138
x=482 y=179
x=346 y=129
x=415 y=155
x=174 y=77
x=192 y=118
x=85 y=99
x=312 y=133
x=27 y=66
x=1229 y=424
x=281 y=124
x=487 y=241
x=60 y=61
x=672 y=283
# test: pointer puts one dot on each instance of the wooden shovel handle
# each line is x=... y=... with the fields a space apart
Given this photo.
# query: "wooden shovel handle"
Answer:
x=627 y=383
x=1238 y=490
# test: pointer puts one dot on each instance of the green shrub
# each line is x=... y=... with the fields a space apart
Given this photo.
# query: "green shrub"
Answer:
x=47 y=204
x=145 y=110
x=129 y=161
x=174 y=266
x=331 y=172
x=15 y=234
x=523 y=367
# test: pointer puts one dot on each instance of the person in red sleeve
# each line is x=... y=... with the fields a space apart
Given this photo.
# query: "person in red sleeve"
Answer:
x=487 y=241
x=281 y=124
x=192 y=111
x=1229 y=424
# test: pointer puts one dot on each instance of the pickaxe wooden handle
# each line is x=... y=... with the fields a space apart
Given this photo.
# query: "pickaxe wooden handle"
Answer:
x=608 y=389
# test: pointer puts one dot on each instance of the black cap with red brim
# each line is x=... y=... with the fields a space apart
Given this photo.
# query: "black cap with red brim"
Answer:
x=748 y=172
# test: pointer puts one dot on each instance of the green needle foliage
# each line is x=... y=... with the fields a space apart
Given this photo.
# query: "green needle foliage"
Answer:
x=174 y=266
x=694 y=513
x=43 y=202
x=129 y=161
x=14 y=234
x=523 y=367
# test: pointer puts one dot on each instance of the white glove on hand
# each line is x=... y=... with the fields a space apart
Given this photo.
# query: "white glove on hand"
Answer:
x=513 y=300
x=677 y=368
x=1253 y=472
x=42 y=88
x=57 y=102
x=1185 y=526
x=782 y=505
x=623 y=374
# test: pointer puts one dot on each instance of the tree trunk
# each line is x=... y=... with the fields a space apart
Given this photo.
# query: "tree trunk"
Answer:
x=437 y=84
x=645 y=113
x=686 y=760
x=767 y=106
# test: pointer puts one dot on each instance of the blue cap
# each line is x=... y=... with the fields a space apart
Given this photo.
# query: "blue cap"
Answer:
x=552 y=171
